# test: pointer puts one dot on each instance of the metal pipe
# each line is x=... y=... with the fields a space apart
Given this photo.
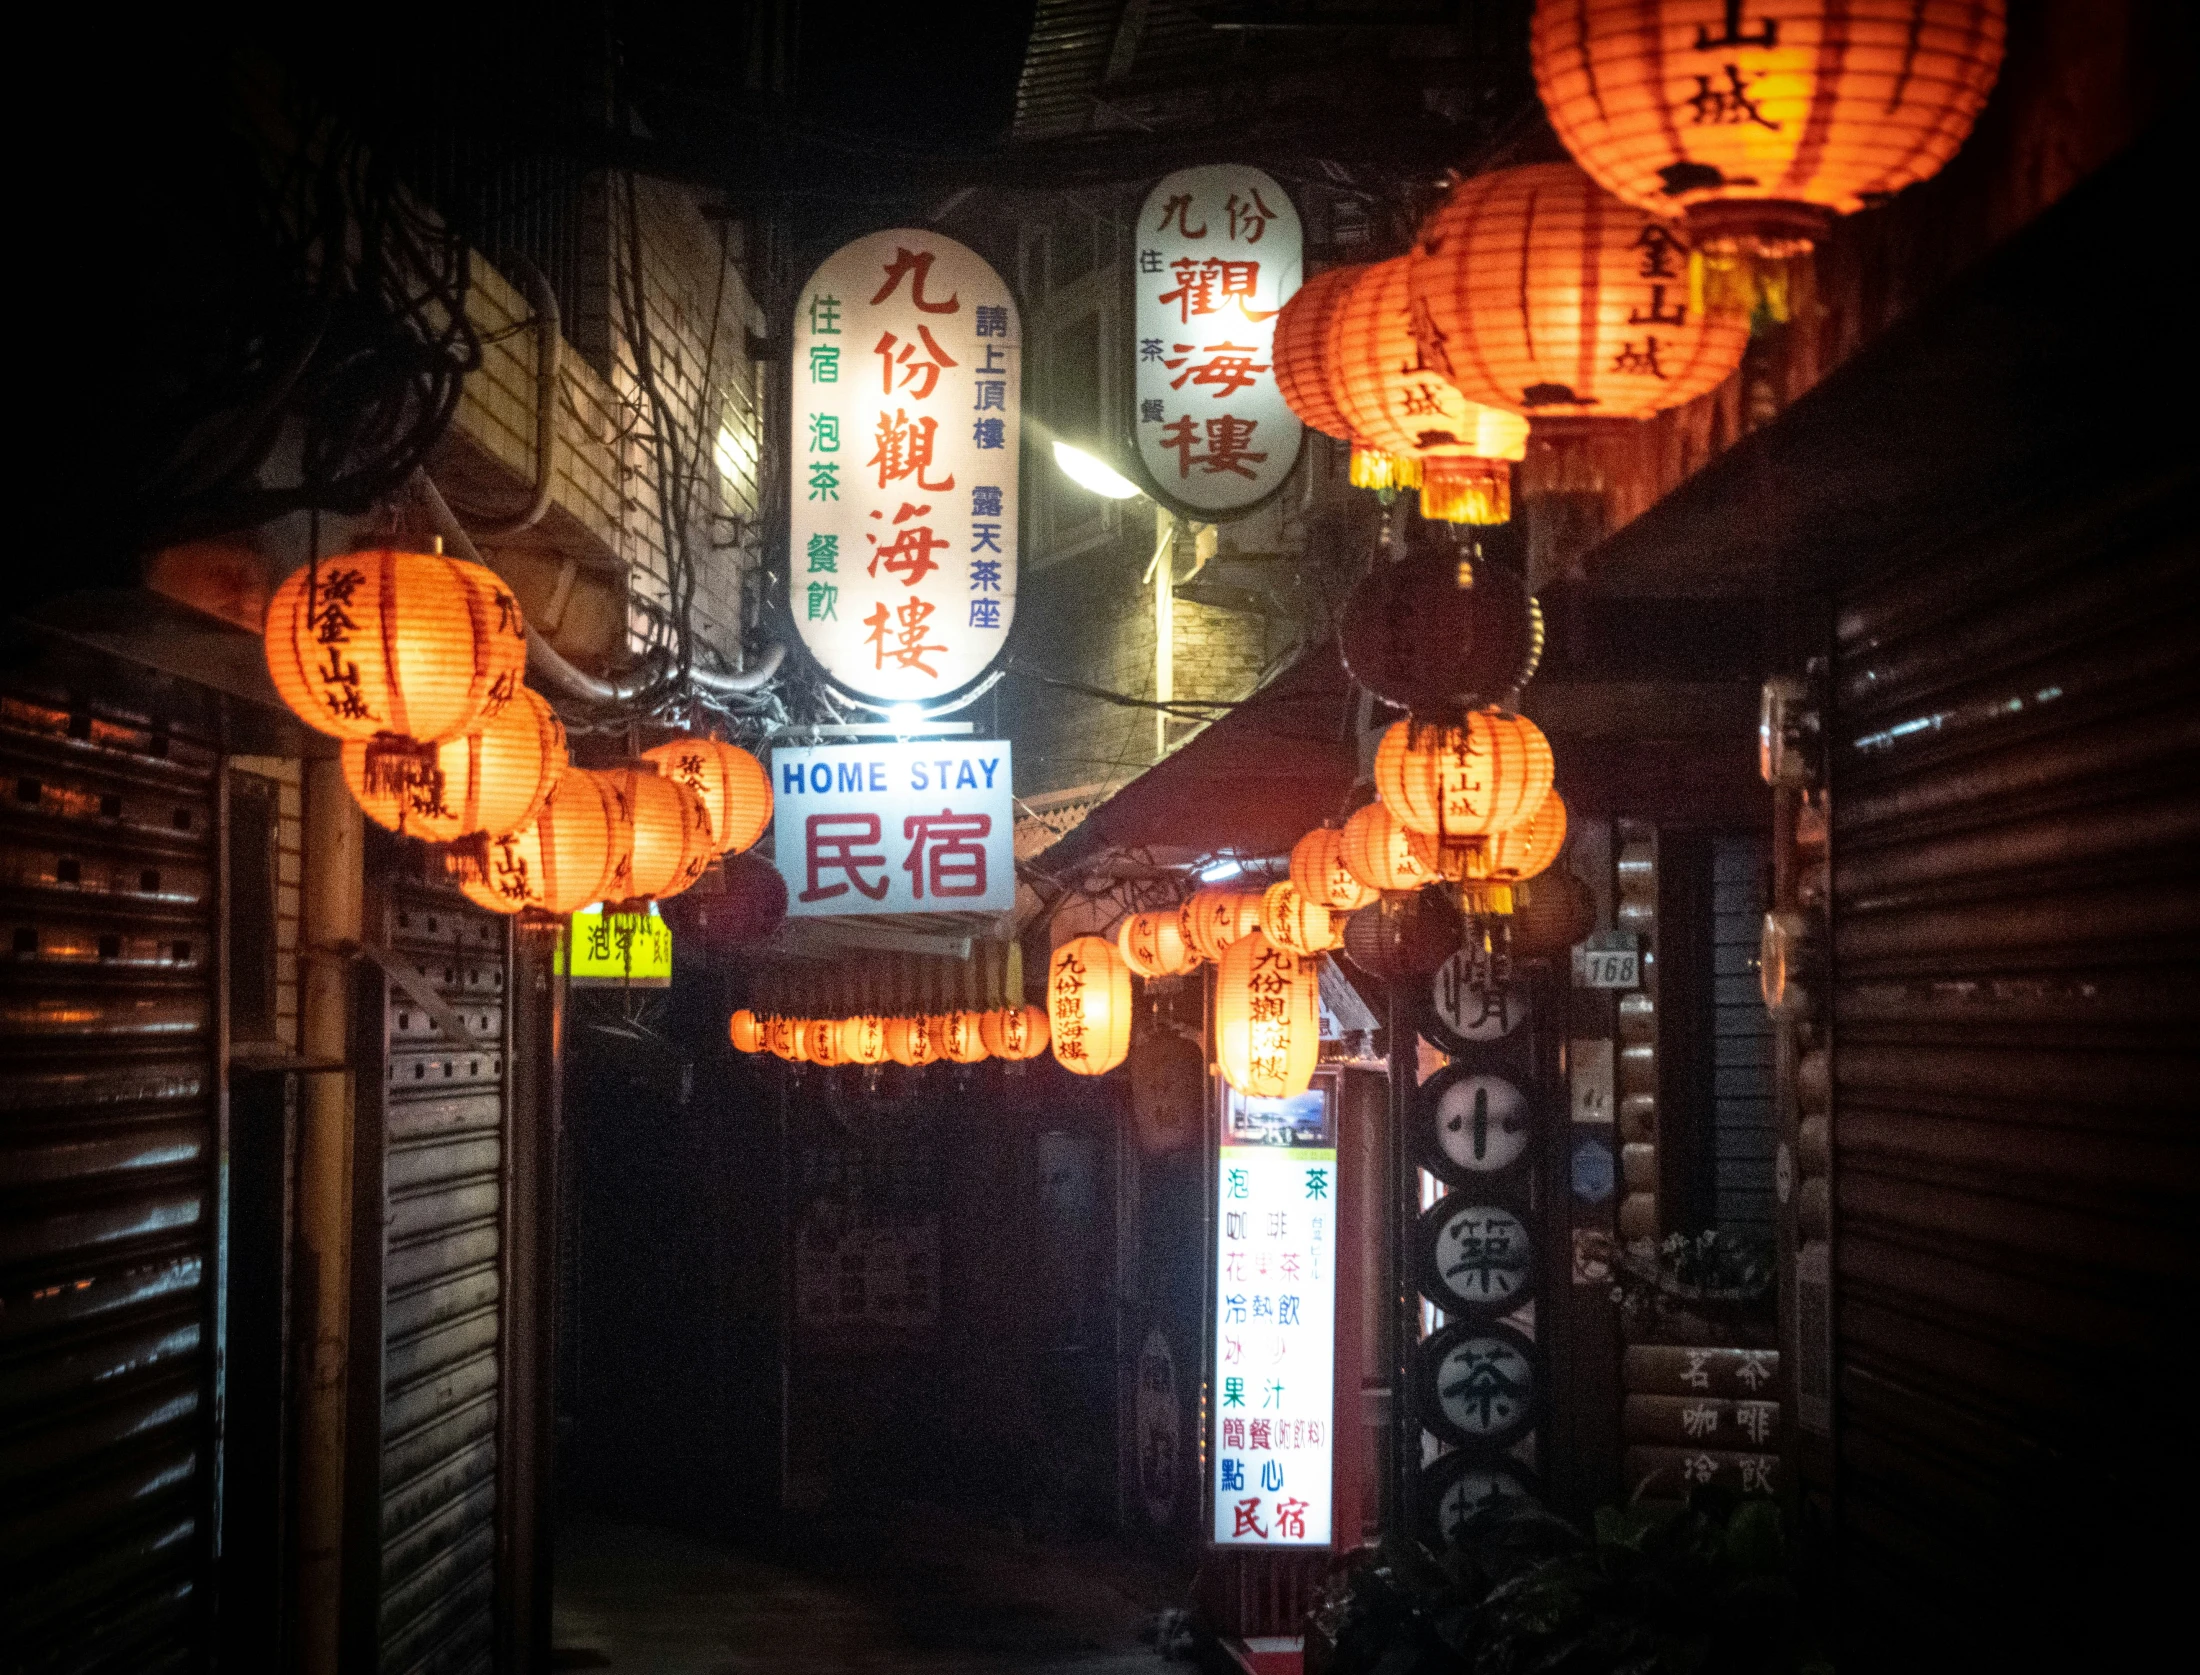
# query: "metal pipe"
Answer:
x=752 y=679
x=549 y=363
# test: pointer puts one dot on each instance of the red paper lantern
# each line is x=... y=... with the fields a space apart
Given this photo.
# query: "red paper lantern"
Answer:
x=1404 y=936
x=1535 y=289
x=1486 y=775
x=1765 y=124
x=912 y=1042
x=560 y=862
x=1318 y=869
x=494 y=780
x=961 y=1036
x=735 y=789
x=1303 y=349
x=669 y=842
x=1267 y=1018
x=1378 y=849
x=1155 y=945
x=1014 y=1033
x=746 y=1031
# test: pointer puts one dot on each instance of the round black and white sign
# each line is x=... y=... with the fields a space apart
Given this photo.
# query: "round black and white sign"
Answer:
x=1473 y=1126
x=1476 y=1259
x=1478 y=1384
x=1469 y=1014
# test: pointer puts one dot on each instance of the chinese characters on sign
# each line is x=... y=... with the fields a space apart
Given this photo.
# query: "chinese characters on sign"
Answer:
x=1216 y=254
x=1275 y=1320
x=905 y=412
x=625 y=948
x=894 y=827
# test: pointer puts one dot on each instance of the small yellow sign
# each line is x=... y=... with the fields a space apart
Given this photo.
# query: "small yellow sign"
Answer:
x=627 y=948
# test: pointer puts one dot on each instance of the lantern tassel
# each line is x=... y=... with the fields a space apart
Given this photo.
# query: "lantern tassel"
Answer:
x=1373 y=469
x=1759 y=283
x=1477 y=491
x=396 y=765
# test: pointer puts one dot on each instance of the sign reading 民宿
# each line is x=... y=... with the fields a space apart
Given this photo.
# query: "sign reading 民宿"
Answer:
x=905 y=413
x=923 y=826
x=1217 y=253
x=1275 y=1319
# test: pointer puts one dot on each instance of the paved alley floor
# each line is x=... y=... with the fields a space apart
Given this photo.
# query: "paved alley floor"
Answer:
x=918 y=1593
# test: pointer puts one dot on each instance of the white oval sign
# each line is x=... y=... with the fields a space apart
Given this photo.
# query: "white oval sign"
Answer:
x=1217 y=253
x=1482 y=1123
x=1470 y=1012
x=907 y=402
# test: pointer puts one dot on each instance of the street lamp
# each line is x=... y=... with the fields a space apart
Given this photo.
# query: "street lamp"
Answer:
x=1087 y=472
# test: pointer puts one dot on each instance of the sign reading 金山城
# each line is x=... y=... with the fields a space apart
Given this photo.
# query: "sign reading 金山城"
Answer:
x=1275 y=1314
x=1216 y=255
x=895 y=827
x=905 y=413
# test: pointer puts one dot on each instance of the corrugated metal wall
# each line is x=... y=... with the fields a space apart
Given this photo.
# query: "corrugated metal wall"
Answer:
x=108 y=1197
x=443 y=1278
x=1741 y=1040
x=2015 y=750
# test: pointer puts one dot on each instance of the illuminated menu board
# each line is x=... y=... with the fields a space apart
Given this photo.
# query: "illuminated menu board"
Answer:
x=1275 y=1309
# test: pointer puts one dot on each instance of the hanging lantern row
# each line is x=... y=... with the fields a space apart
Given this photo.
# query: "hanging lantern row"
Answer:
x=1010 y=1033
x=414 y=661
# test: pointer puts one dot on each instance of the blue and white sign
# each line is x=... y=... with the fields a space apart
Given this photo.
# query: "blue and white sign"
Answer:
x=895 y=827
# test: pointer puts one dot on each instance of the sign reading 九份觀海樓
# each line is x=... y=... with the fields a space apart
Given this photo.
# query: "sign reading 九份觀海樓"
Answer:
x=906 y=403
x=1275 y=1319
x=1217 y=254
x=895 y=827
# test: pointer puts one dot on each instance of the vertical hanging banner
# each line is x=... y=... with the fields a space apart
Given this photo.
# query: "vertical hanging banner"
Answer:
x=907 y=401
x=1217 y=253
x=1275 y=1319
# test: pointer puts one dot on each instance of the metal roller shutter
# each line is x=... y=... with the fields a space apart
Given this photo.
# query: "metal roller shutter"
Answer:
x=108 y=1197
x=442 y=1286
x=2015 y=747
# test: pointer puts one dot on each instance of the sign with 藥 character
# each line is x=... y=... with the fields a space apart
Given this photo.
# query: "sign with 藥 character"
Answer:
x=906 y=406
x=895 y=827
x=1275 y=1314
x=1217 y=253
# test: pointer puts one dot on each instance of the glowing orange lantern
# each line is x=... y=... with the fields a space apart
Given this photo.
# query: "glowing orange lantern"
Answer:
x=961 y=1036
x=820 y=1041
x=1396 y=399
x=395 y=649
x=1089 y=1005
x=1528 y=849
x=1486 y=775
x=862 y=1039
x=495 y=780
x=746 y=1031
x=782 y=1038
x=1318 y=869
x=1295 y=924
x=736 y=791
x=911 y=1041
x=1301 y=352
x=1763 y=121
x=1213 y=919
x=1014 y=1033
x=561 y=861
x=1154 y=945
x=1267 y=1022
x=1378 y=851
x=669 y=845
x=1535 y=289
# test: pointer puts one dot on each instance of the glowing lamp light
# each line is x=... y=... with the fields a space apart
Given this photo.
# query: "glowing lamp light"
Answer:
x=1267 y=1021
x=559 y=862
x=735 y=789
x=1763 y=124
x=746 y=1031
x=1014 y=1033
x=1486 y=775
x=1089 y=1006
x=1089 y=473
x=1154 y=945
x=1378 y=851
x=1318 y=869
x=494 y=780
x=395 y=649
x=912 y=1042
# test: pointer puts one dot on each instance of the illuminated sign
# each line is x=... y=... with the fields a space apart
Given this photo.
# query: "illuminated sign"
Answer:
x=1275 y=1308
x=906 y=406
x=895 y=827
x=626 y=948
x=1216 y=255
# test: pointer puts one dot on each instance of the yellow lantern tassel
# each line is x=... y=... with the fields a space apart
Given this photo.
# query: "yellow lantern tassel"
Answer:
x=1374 y=469
x=1467 y=491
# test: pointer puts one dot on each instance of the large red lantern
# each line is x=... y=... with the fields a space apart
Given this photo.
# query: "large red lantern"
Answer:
x=961 y=1036
x=1535 y=289
x=1296 y=924
x=1089 y=1005
x=1763 y=121
x=1014 y=1033
x=735 y=789
x=1396 y=399
x=669 y=843
x=1486 y=775
x=1215 y=918
x=1378 y=849
x=746 y=1031
x=561 y=861
x=912 y=1041
x=397 y=650
x=1155 y=945
x=1318 y=869
x=1303 y=349
x=493 y=780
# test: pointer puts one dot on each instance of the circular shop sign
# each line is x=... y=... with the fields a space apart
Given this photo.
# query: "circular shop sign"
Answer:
x=1478 y=1384
x=1476 y=1259
x=1460 y=1485
x=1461 y=1015
x=1472 y=1126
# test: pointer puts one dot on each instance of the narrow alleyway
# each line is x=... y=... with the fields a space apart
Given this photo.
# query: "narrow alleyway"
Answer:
x=918 y=1592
